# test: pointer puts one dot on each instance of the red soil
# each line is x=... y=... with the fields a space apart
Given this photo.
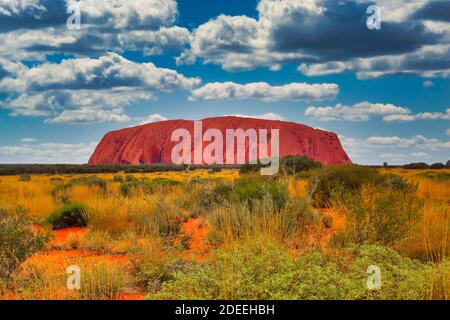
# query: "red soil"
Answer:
x=198 y=232
x=64 y=254
x=61 y=236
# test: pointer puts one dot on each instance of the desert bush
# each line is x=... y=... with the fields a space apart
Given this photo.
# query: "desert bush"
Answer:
x=154 y=262
x=292 y=165
x=98 y=241
x=209 y=197
x=146 y=185
x=348 y=177
x=250 y=189
x=91 y=181
x=69 y=215
x=257 y=271
x=61 y=193
x=416 y=165
x=25 y=177
x=375 y=214
x=162 y=218
x=17 y=240
x=264 y=270
x=56 y=180
x=118 y=178
x=289 y=165
x=238 y=221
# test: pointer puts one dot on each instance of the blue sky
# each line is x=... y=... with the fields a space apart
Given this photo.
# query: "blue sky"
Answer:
x=385 y=92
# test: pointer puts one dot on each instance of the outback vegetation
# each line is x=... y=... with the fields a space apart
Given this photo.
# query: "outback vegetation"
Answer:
x=222 y=233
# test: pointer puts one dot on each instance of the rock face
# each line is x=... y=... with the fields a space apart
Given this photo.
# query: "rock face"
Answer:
x=151 y=143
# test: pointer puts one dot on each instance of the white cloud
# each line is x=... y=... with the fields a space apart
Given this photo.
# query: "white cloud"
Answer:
x=264 y=91
x=414 y=63
x=47 y=153
x=36 y=28
x=285 y=31
x=418 y=141
x=87 y=115
x=363 y=111
x=358 y=112
x=155 y=42
x=82 y=88
x=377 y=149
x=29 y=140
x=130 y=14
x=265 y=116
x=153 y=118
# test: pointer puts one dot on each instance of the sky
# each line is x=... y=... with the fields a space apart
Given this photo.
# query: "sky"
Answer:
x=377 y=78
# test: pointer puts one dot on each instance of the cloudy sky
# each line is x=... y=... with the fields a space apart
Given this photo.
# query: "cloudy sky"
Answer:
x=385 y=92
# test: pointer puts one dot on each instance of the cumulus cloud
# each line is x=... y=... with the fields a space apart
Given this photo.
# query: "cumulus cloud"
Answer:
x=287 y=31
x=37 y=27
x=264 y=91
x=358 y=112
x=428 y=61
x=47 y=153
x=363 y=111
x=418 y=141
x=87 y=115
x=377 y=149
x=82 y=88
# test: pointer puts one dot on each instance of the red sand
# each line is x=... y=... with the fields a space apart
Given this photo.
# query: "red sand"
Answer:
x=198 y=246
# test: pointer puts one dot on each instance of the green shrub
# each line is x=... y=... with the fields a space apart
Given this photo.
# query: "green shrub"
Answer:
x=348 y=177
x=416 y=165
x=259 y=271
x=154 y=263
x=289 y=165
x=209 y=197
x=375 y=214
x=264 y=270
x=90 y=181
x=250 y=189
x=61 y=192
x=146 y=185
x=17 y=241
x=24 y=177
x=118 y=178
x=70 y=215
x=292 y=165
x=56 y=180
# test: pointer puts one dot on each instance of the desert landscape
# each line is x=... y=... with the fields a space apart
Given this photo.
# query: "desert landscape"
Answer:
x=220 y=159
x=308 y=233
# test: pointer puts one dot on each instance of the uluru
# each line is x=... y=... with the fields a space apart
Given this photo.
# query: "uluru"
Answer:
x=151 y=143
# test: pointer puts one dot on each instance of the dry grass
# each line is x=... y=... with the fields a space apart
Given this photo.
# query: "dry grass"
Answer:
x=429 y=239
x=429 y=188
x=145 y=225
